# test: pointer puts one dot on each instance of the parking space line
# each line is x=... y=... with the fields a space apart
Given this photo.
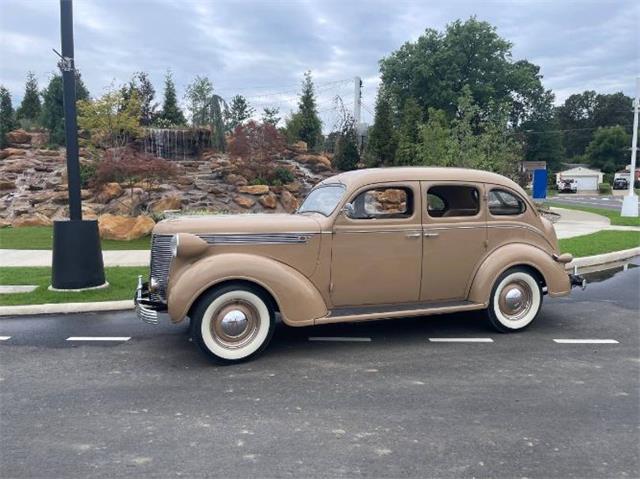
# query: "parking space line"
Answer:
x=469 y=339
x=339 y=339
x=98 y=339
x=4 y=338
x=584 y=340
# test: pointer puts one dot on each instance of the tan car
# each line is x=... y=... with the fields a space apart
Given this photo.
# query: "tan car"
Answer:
x=364 y=245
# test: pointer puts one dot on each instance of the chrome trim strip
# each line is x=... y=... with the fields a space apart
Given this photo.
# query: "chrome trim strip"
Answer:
x=259 y=238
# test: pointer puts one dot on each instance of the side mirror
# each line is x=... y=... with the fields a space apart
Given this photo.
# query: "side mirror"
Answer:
x=349 y=211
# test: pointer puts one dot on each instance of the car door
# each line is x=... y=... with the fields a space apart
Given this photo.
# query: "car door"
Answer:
x=377 y=249
x=455 y=238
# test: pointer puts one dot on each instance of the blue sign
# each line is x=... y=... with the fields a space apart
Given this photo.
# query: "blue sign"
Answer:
x=540 y=184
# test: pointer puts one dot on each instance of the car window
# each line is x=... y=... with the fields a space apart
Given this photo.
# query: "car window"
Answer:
x=383 y=202
x=323 y=199
x=453 y=201
x=502 y=202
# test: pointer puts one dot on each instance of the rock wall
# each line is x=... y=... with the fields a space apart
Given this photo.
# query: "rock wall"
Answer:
x=33 y=185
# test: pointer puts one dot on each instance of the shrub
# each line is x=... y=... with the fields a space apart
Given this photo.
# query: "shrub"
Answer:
x=124 y=165
x=87 y=174
x=604 y=187
x=283 y=175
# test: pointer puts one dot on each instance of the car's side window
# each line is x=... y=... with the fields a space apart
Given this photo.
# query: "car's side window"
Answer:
x=453 y=201
x=383 y=202
x=502 y=202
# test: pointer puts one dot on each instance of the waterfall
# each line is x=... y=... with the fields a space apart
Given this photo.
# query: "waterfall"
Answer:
x=174 y=143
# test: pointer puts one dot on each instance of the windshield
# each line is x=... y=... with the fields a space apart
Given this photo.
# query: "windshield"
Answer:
x=323 y=200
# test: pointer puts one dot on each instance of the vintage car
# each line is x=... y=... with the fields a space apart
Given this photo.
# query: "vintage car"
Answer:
x=364 y=245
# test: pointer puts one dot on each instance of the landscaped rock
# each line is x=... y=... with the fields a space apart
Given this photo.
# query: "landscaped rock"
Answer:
x=254 y=189
x=6 y=184
x=115 y=227
x=288 y=201
x=4 y=223
x=293 y=187
x=244 y=202
x=109 y=191
x=18 y=136
x=299 y=146
x=48 y=153
x=237 y=180
x=11 y=152
x=269 y=200
x=166 y=203
x=34 y=220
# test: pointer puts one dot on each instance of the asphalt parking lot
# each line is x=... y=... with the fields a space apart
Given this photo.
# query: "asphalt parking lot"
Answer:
x=609 y=202
x=103 y=395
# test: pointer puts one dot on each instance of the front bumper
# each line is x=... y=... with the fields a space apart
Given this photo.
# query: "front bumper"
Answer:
x=146 y=309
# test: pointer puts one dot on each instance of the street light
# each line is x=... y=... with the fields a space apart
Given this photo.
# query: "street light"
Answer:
x=630 y=202
x=77 y=255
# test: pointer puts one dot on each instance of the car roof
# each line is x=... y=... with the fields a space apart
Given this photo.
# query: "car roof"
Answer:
x=366 y=176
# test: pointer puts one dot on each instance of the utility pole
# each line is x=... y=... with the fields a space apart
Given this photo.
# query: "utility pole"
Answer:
x=77 y=254
x=630 y=202
x=357 y=101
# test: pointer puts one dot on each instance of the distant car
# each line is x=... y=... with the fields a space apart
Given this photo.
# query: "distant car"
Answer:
x=364 y=245
x=567 y=186
x=620 y=184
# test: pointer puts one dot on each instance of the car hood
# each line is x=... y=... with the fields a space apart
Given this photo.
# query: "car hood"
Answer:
x=243 y=223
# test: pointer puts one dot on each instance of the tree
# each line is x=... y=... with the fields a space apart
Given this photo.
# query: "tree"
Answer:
x=7 y=122
x=270 y=116
x=207 y=109
x=609 y=149
x=382 y=142
x=239 y=112
x=613 y=109
x=437 y=146
x=113 y=119
x=141 y=86
x=52 y=117
x=310 y=126
x=408 y=136
x=30 y=107
x=575 y=117
x=346 y=156
x=171 y=114
x=435 y=68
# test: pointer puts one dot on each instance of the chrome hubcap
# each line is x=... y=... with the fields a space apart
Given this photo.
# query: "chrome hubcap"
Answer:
x=515 y=300
x=234 y=323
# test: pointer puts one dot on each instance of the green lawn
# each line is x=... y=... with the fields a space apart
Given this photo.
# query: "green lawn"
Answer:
x=40 y=238
x=600 y=242
x=122 y=284
x=613 y=215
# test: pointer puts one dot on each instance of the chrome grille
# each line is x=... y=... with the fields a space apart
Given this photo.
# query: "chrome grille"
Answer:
x=160 y=263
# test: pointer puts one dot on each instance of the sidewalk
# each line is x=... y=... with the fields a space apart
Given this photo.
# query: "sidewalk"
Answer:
x=573 y=223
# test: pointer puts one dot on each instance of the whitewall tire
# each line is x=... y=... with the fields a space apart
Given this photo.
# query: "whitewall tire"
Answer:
x=233 y=323
x=516 y=299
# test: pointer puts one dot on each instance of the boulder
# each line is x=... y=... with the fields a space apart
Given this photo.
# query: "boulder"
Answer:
x=244 y=202
x=299 y=146
x=11 y=152
x=166 y=203
x=4 y=223
x=293 y=187
x=115 y=227
x=254 y=189
x=269 y=200
x=109 y=191
x=18 y=136
x=6 y=184
x=237 y=180
x=393 y=196
x=33 y=220
x=288 y=201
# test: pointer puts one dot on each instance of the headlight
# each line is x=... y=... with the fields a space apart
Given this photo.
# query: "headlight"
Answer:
x=175 y=243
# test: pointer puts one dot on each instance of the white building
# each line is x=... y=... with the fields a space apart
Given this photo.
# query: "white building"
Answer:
x=585 y=178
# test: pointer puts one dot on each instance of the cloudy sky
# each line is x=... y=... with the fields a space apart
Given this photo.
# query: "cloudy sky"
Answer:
x=262 y=48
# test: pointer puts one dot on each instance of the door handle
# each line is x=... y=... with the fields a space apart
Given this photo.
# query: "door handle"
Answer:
x=412 y=235
x=431 y=234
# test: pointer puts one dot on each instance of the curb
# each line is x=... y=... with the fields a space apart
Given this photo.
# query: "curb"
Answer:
x=50 y=308
x=79 y=307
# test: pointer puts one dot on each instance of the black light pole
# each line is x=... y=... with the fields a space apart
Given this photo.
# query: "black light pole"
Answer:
x=77 y=255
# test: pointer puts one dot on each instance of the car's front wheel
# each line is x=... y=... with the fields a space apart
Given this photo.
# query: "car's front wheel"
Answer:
x=233 y=323
x=516 y=299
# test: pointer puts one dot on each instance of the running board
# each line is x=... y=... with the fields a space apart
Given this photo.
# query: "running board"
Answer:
x=378 y=312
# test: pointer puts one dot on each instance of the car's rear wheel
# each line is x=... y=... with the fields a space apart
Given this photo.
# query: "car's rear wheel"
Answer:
x=233 y=323
x=516 y=299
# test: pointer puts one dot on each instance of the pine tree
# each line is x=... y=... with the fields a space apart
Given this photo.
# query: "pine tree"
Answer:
x=382 y=142
x=52 y=114
x=142 y=86
x=270 y=116
x=406 y=153
x=30 y=107
x=346 y=155
x=310 y=130
x=171 y=114
x=7 y=122
x=239 y=112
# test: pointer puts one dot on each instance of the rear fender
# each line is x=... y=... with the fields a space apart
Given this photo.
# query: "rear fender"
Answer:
x=297 y=298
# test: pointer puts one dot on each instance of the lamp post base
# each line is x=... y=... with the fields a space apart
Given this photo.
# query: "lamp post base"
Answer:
x=77 y=255
x=629 y=206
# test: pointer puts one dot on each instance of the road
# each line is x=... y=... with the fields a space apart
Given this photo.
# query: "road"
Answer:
x=396 y=405
x=609 y=202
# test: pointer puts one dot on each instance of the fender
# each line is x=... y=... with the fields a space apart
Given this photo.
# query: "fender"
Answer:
x=298 y=299
x=510 y=255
